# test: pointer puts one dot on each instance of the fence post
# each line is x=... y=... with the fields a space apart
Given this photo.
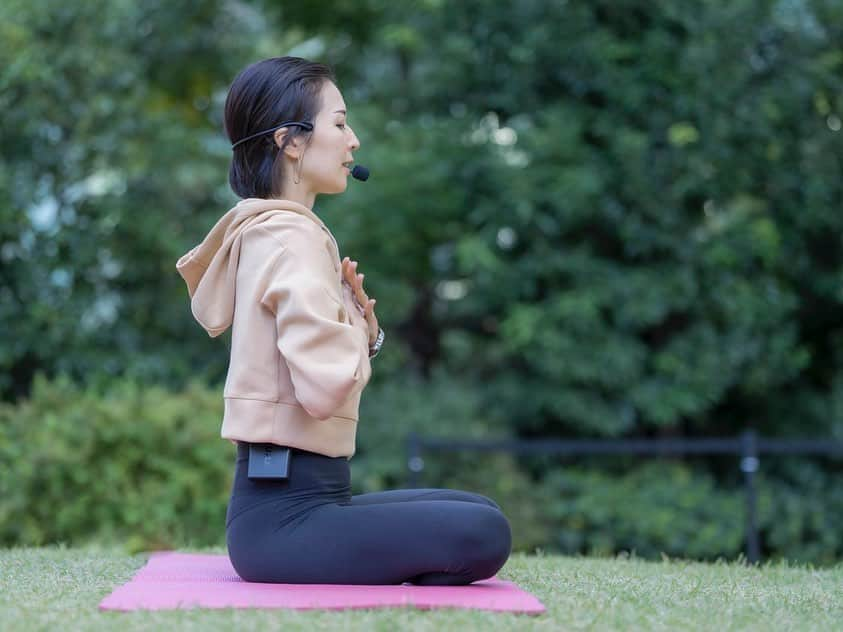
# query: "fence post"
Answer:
x=749 y=466
x=415 y=463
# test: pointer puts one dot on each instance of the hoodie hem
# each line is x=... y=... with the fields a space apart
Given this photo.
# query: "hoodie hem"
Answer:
x=269 y=401
x=260 y=421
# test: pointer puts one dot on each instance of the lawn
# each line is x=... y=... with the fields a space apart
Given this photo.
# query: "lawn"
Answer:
x=60 y=588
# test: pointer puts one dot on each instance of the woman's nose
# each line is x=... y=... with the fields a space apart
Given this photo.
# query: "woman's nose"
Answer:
x=355 y=142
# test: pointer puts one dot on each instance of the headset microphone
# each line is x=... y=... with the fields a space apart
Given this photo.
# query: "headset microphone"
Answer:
x=360 y=172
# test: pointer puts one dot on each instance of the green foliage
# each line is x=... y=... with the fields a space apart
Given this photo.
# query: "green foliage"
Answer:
x=655 y=508
x=135 y=464
x=671 y=508
x=145 y=466
x=601 y=236
x=112 y=162
x=617 y=237
x=800 y=513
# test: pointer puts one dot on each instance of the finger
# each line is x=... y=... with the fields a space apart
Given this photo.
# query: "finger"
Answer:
x=371 y=320
x=348 y=275
x=358 y=287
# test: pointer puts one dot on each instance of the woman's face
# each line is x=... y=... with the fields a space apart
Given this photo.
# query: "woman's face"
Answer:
x=332 y=143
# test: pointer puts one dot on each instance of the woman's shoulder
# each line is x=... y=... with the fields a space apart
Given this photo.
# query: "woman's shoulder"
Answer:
x=290 y=229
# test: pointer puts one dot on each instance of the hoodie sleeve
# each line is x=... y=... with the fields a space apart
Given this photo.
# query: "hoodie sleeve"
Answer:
x=327 y=356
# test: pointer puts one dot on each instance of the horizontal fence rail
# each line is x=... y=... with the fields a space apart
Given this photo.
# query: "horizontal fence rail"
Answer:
x=748 y=447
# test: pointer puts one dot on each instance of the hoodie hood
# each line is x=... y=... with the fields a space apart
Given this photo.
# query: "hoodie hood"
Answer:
x=210 y=268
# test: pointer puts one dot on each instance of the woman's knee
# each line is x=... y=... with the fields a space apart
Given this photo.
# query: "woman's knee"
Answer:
x=478 y=498
x=486 y=542
x=488 y=501
x=500 y=541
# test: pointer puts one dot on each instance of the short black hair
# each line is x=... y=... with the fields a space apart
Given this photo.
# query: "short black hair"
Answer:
x=263 y=95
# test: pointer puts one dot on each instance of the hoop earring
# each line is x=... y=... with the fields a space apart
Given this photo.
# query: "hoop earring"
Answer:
x=297 y=176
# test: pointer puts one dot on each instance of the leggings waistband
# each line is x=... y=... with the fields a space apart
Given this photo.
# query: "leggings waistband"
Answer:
x=308 y=471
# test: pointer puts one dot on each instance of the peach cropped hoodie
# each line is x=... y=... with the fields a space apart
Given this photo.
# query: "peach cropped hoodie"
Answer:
x=270 y=269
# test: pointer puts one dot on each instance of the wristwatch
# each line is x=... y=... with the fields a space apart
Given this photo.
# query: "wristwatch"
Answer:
x=375 y=348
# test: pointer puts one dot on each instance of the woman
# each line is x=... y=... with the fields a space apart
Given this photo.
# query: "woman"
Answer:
x=303 y=334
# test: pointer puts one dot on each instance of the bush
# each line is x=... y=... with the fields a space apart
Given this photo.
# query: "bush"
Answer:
x=800 y=513
x=138 y=465
x=675 y=509
x=655 y=508
x=146 y=467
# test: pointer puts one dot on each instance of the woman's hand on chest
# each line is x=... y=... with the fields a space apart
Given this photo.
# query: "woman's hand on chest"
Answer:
x=353 y=290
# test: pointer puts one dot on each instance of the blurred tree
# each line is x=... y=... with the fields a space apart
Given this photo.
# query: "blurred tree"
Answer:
x=113 y=158
x=617 y=217
x=613 y=218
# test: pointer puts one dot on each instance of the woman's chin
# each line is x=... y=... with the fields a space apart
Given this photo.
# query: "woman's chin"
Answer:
x=332 y=188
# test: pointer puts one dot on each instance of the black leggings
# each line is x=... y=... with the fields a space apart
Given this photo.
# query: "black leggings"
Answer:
x=309 y=529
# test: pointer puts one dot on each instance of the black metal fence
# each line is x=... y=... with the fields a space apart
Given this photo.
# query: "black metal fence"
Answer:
x=749 y=447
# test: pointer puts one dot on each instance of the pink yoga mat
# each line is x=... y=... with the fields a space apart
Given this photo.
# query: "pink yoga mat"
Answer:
x=173 y=580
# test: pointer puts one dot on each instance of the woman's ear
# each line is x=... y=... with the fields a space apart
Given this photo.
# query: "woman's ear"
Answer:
x=292 y=148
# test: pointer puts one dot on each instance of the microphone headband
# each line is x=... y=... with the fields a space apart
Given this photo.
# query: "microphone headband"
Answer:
x=306 y=126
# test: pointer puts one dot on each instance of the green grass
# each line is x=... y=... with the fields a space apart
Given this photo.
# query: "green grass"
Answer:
x=60 y=588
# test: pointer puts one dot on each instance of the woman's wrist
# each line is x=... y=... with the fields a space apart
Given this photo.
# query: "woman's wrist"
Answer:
x=375 y=348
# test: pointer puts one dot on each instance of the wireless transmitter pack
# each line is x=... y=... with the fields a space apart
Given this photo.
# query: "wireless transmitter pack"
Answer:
x=269 y=461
